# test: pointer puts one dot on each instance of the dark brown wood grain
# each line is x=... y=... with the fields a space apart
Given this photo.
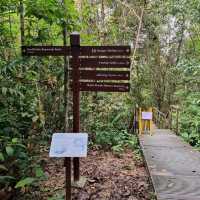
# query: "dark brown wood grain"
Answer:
x=105 y=51
x=84 y=50
x=105 y=63
x=104 y=87
x=46 y=50
x=102 y=75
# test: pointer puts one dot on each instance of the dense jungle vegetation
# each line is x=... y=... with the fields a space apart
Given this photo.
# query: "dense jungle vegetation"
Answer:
x=165 y=71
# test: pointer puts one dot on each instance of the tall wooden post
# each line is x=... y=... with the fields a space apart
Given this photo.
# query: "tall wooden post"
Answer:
x=67 y=178
x=75 y=47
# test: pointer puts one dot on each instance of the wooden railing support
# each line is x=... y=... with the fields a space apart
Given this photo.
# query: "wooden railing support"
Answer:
x=174 y=109
x=160 y=118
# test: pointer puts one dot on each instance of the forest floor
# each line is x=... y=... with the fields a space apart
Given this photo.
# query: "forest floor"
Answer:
x=109 y=177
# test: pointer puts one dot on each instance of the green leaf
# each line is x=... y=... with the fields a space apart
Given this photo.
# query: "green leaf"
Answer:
x=1 y=157
x=39 y=172
x=14 y=140
x=9 y=150
x=6 y=179
x=4 y=90
x=34 y=119
x=21 y=145
x=2 y=167
x=25 y=182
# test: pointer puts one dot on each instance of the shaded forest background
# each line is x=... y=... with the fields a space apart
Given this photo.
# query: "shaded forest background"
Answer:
x=165 y=71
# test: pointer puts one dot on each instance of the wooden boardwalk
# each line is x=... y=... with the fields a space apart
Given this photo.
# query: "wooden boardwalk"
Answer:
x=174 y=166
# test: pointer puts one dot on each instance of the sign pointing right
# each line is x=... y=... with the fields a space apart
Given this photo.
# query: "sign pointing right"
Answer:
x=104 y=87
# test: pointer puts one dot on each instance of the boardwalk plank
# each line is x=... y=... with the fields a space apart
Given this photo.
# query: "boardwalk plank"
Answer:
x=174 y=166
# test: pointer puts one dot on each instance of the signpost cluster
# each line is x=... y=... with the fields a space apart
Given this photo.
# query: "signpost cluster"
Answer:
x=93 y=68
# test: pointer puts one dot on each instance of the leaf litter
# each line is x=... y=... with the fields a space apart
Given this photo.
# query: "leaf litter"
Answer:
x=109 y=177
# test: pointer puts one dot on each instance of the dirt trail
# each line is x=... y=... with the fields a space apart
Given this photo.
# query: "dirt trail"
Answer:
x=109 y=177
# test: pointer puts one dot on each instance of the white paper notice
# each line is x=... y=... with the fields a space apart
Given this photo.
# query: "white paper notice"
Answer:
x=147 y=115
x=69 y=145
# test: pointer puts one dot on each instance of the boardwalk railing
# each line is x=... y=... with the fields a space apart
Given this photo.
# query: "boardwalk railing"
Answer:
x=169 y=120
x=174 y=118
x=160 y=119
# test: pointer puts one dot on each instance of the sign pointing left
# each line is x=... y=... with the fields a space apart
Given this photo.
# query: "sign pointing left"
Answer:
x=46 y=50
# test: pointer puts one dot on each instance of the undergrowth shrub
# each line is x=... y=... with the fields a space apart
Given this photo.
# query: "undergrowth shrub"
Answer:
x=18 y=170
x=190 y=120
x=114 y=139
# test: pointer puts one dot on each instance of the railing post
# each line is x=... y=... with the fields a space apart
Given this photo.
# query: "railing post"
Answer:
x=157 y=122
x=140 y=121
x=177 y=122
x=170 y=119
x=151 y=122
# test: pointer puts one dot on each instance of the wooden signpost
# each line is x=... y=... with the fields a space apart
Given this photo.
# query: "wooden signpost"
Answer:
x=104 y=62
x=104 y=87
x=85 y=62
x=103 y=75
x=45 y=51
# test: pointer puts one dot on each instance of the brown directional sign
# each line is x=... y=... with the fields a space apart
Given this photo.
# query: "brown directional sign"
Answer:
x=105 y=63
x=103 y=75
x=104 y=87
x=87 y=57
x=46 y=50
x=84 y=51
x=105 y=50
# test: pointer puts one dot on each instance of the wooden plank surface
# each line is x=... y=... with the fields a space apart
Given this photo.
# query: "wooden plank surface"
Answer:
x=174 y=166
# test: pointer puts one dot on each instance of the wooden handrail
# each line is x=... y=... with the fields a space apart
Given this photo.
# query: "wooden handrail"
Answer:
x=160 y=118
x=163 y=120
x=169 y=120
x=174 y=109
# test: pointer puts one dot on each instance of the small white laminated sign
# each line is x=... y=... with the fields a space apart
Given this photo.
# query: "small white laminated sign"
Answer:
x=147 y=115
x=69 y=145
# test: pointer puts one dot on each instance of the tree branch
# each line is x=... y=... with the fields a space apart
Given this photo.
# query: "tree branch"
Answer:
x=131 y=9
x=138 y=34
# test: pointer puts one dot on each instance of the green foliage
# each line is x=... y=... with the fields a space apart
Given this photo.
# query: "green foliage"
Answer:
x=25 y=182
x=189 y=95
x=31 y=93
x=14 y=160
x=115 y=140
x=16 y=164
x=190 y=120
x=53 y=11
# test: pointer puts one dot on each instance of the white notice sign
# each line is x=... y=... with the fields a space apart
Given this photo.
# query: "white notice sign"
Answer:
x=69 y=145
x=147 y=115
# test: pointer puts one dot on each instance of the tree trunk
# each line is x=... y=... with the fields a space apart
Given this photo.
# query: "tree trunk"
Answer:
x=103 y=34
x=21 y=11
